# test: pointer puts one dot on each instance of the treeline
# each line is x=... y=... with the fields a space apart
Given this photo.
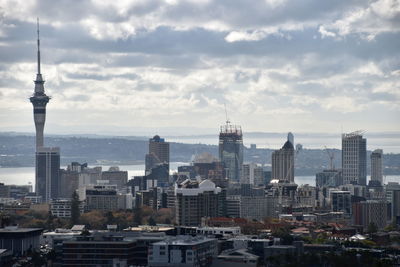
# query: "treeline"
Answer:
x=94 y=220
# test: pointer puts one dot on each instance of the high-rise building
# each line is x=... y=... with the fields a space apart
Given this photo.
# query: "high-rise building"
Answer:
x=158 y=153
x=99 y=197
x=252 y=174
x=231 y=151
x=115 y=177
x=47 y=173
x=370 y=211
x=354 y=158
x=340 y=201
x=283 y=163
x=195 y=200
x=376 y=166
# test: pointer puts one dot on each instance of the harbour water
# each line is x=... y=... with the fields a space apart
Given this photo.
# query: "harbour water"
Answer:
x=26 y=175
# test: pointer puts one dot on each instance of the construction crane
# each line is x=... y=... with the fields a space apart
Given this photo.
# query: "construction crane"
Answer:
x=331 y=158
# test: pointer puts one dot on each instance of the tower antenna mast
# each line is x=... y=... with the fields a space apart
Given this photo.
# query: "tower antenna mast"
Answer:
x=38 y=47
x=226 y=115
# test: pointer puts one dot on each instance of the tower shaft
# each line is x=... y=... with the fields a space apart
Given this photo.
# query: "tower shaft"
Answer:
x=39 y=100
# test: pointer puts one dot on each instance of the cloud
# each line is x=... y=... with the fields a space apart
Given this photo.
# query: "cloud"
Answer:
x=275 y=64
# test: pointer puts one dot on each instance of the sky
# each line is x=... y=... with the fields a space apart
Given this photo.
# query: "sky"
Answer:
x=133 y=67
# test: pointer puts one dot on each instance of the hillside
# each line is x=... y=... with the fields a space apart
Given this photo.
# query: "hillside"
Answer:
x=18 y=151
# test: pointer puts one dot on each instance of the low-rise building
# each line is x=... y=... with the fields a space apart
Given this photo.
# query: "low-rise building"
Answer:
x=183 y=251
x=98 y=250
x=62 y=208
x=20 y=240
x=236 y=258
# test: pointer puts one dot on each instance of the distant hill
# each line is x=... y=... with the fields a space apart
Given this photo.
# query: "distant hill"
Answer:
x=18 y=151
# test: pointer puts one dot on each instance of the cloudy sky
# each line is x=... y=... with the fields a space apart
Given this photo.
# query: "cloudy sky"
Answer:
x=126 y=67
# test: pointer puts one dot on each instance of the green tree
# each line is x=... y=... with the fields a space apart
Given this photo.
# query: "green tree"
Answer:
x=75 y=211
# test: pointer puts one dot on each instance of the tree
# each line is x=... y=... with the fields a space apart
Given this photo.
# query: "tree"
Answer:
x=372 y=228
x=152 y=222
x=94 y=219
x=50 y=221
x=137 y=216
x=110 y=217
x=75 y=211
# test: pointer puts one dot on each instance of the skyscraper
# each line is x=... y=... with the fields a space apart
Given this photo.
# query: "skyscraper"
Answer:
x=283 y=163
x=376 y=166
x=231 y=150
x=47 y=173
x=47 y=159
x=354 y=158
x=158 y=153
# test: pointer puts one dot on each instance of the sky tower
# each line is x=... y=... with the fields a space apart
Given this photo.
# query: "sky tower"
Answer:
x=39 y=99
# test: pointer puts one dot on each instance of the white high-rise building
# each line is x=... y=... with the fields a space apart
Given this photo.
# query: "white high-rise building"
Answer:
x=354 y=158
x=252 y=173
x=376 y=166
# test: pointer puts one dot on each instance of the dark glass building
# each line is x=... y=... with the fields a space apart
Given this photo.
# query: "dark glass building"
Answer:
x=231 y=151
x=47 y=173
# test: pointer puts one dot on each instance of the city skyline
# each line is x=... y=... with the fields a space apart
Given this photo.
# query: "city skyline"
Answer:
x=107 y=67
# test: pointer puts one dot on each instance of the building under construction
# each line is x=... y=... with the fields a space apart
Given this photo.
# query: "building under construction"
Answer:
x=231 y=150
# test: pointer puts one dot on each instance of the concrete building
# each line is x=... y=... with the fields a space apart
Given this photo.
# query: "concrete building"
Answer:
x=47 y=182
x=307 y=196
x=236 y=258
x=19 y=191
x=370 y=211
x=392 y=193
x=195 y=200
x=283 y=163
x=183 y=251
x=20 y=240
x=158 y=153
x=252 y=174
x=254 y=207
x=69 y=183
x=340 y=201
x=231 y=151
x=376 y=166
x=98 y=250
x=61 y=208
x=4 y=191
x=354 y=158
x=115 y=177
x=99 y=197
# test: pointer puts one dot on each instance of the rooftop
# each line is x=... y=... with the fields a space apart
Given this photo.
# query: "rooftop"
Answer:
x=184 y=240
